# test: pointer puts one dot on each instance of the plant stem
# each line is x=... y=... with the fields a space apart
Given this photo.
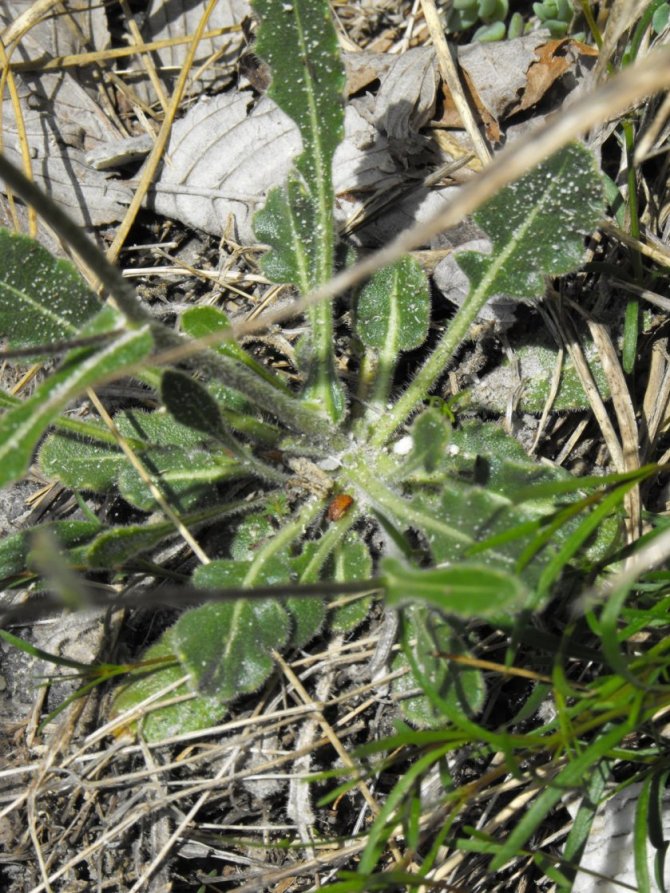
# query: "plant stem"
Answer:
x=434 y=365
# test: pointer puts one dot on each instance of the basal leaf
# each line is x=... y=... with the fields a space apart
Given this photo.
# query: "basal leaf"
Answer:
x=155 y=428
x=430 y=639
x=185 y=477
x=393 y=310
x=299 y=43
x=42 y=299
x=198 y=712
x=463 y=590
x=537 y=226
x=14 y=549
x=289 y=225
x=199 y=322
x=190 y=403
x=22 y=427
x=227 y=646
x=430 y=435
x=116 y=546
x=79 y=463
x=351 y=561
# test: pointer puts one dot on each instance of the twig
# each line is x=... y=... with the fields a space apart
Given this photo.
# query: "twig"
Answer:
x=449 y=72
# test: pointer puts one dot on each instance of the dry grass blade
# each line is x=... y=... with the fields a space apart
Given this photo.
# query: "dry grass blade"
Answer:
x=162 y=137
x=27 y=20
x=450 y=74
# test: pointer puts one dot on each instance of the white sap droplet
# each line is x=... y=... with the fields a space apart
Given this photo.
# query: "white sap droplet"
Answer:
x=403 y=446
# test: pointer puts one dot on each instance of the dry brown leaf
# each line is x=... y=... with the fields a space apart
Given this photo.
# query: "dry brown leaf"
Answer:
x=554 y=58
x=495 y=74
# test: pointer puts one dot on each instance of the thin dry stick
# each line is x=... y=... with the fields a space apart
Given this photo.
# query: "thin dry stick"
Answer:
x=134 y=460
x=332 y=737
x=648 y=138
x=146 y=59
x=566 y=335
x=621 y=16
x=79 y=59
x=156 y=153
x=9 y=79
x=659 y=253
x=449 y=72
x=554 y=387
x=27 y=20
x=625 y=413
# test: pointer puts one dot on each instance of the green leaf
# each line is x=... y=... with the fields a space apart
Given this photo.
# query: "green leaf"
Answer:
x=250 y=535
x=114 y=547
x=463 y=590
x=199 y=322
x=430 y=435
x=14 y=550
x=22 y=427
x=198 y=712
x=392 y=316
x=428 y=640
x=42 y=299
x=393 y=310
x=307 y=616
x=184 y=477
x=459 y=488
x=536 y=363
x=288 y=223
x=300 y=44
x=190 y=403
x=537 y=226
x=79 y=463
x=576 y=774
x=155 y=428
x=226 y=646
x=351 y=561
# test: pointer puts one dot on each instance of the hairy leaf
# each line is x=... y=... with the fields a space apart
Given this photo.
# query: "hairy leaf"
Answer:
x=190 y=403
x=14 y=550
x=351 y=561
x=393 y=310
x=226 y=646
x=22 y=427
x=116 y=546
x=429 y=641
x=185 y=477
x=199 y=322
x=537 y=226
x=299 y=43
x=289 y=225
x=80 y=463
x=197 y=712
x=42 y=299
x=466 y=589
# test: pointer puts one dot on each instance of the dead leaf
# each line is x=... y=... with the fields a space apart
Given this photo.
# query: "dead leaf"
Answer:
x=364 y=69
x=62 y=123
x=215 y=58
x=495 y=74
x=82 y=26
x=554 y=59
x=221 y=160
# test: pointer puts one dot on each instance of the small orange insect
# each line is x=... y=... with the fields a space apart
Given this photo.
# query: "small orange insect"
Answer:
x=339 y=506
